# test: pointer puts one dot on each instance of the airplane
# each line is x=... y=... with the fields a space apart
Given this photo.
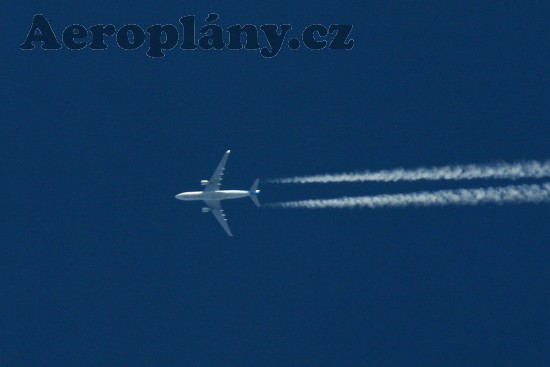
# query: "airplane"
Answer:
x=212 y=195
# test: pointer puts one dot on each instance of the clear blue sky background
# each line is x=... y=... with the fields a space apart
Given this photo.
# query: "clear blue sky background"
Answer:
x=101 y=266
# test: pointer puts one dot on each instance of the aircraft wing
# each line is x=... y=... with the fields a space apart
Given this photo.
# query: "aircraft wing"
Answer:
x=216 y=209
x=216 y=179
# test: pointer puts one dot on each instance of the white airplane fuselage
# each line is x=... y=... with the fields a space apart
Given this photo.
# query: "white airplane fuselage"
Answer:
x=213 y=195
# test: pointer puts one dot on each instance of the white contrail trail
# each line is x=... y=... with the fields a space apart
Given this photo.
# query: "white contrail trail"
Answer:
x=511 y=171
x=535 y=193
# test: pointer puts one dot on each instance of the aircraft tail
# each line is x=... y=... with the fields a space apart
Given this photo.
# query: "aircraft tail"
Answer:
x=254 y=192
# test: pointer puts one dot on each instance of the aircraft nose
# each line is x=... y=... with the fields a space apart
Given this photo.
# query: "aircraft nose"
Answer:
x=178 y=196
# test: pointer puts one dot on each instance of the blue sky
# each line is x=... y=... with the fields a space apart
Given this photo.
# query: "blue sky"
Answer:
x=101 y=266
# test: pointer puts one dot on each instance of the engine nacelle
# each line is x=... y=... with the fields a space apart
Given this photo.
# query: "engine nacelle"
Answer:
x=205 y=210
x=204 y=182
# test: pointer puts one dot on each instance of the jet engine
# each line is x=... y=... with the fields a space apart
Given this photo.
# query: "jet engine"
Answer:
x=205 y=210
x=204 y=182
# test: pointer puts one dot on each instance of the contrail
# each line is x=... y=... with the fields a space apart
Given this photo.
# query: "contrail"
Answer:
x=511 y=171
x=535 y=193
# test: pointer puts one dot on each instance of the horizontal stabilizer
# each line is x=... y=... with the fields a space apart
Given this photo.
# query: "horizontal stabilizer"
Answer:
x=254 y=192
